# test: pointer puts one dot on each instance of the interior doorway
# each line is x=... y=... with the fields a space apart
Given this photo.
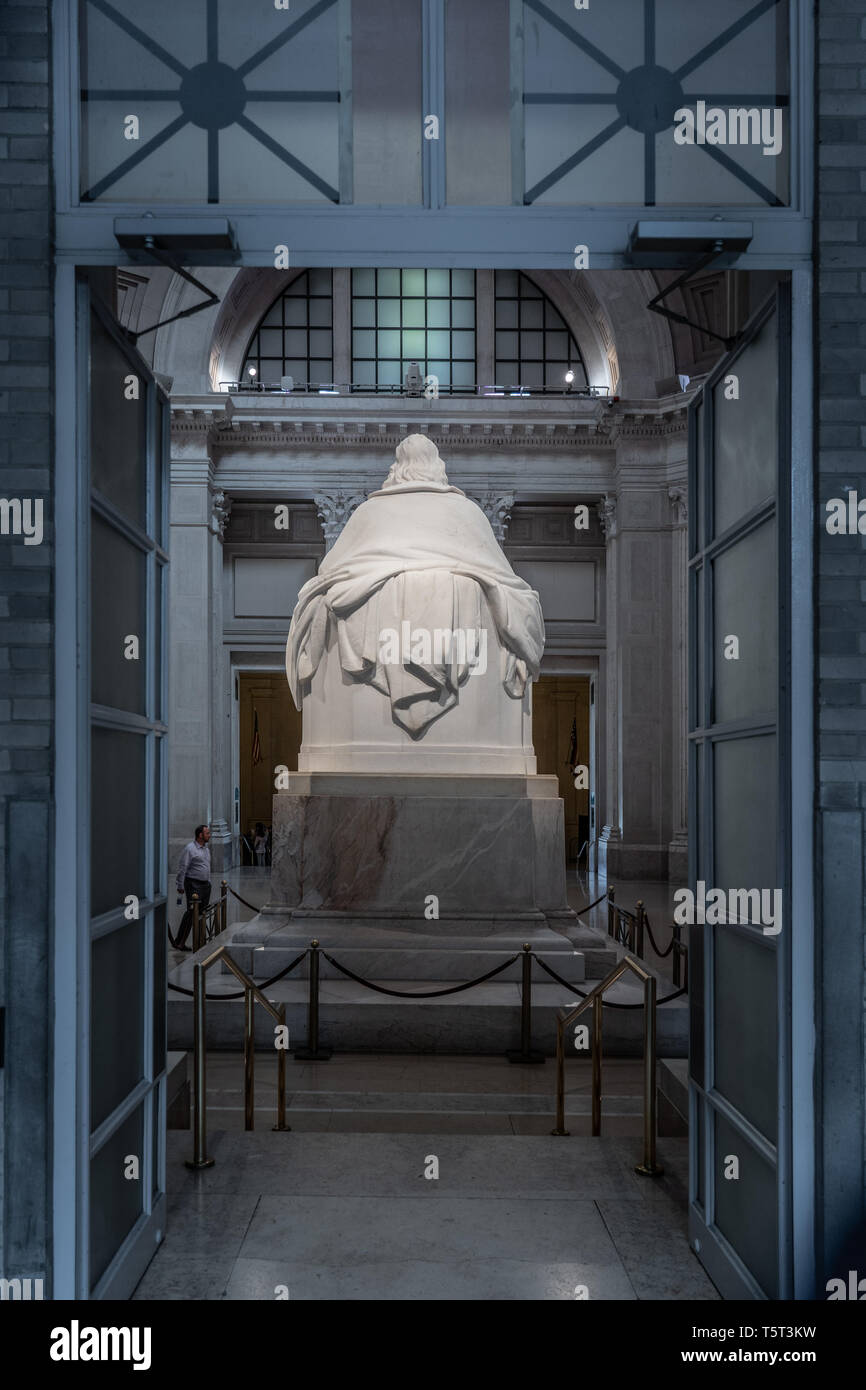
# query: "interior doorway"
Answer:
x=270 y=734
x=562 y=741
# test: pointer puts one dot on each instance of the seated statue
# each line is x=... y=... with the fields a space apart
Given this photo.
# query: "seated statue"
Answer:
x=415 y=615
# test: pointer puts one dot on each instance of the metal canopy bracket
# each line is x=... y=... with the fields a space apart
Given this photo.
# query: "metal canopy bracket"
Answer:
x=166 y=240
x=661 y=245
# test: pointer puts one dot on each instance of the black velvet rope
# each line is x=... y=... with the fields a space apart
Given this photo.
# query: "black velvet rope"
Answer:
x=607 y=1004
x=265 y=984
x=424 y=994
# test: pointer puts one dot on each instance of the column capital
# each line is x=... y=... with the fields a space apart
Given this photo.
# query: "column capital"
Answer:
x=334 y=509
x=607 y=516
x=679 y=499
x=496 y=506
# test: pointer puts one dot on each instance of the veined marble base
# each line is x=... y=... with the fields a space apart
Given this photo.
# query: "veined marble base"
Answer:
x=470 y=849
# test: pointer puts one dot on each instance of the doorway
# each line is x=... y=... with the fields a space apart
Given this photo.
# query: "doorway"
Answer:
x=561 y=737
x=269 y=730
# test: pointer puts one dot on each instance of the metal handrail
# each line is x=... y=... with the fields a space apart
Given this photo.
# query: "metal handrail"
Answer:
x=649 y=1167
x=204 y=917
x=251 y=994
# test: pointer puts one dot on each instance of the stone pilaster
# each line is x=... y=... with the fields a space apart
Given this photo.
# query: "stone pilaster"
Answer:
x=610 y=817
x=198 y=730
x=678 y=849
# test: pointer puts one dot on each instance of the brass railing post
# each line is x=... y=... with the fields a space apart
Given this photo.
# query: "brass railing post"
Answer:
x=281 y=1076
x=524 y=1053
x=611 y=913
x=199 y=1158
x=679 y=955
x=649 y=1167
x=560 y=1080
x=312 y=1052
x=196 y=943
x=596 y=1064
x=249 y=1061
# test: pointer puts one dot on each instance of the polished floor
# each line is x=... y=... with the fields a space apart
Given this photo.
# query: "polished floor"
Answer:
x=342 y=1207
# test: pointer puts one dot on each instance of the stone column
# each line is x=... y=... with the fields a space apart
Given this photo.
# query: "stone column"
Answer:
x=678 y=850
x=220 y=762
x=196 y=698
x=610 y=814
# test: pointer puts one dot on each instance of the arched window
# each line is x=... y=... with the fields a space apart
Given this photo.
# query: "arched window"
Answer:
x=490 y=332
x=534 y=347
x=295 y=337
x=405 y=316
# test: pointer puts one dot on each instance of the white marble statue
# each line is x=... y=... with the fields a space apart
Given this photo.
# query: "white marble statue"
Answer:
x=414 y=599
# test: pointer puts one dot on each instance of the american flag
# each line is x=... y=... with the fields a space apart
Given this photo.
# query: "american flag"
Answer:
x=257 y=746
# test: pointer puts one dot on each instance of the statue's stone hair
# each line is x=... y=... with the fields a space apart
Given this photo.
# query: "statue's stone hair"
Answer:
x=417 y=461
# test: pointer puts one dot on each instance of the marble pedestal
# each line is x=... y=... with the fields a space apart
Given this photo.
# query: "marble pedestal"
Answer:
x=484 y=852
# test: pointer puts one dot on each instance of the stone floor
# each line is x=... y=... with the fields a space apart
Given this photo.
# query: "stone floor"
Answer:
x=340 y=1207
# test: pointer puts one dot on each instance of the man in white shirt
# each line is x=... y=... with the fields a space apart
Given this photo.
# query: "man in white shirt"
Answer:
x=193 y=876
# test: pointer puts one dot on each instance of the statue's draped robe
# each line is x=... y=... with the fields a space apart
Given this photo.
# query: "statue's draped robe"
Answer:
x=424 y=554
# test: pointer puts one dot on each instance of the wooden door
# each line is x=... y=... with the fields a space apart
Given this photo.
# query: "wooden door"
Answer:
x=560 y=734
x=264 y=695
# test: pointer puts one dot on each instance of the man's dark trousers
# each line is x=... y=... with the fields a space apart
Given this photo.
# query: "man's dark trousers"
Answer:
x=190 y=886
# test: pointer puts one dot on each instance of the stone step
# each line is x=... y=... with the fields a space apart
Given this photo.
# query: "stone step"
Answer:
x=397 y=964
x=673 y=1083
x=483 y=1020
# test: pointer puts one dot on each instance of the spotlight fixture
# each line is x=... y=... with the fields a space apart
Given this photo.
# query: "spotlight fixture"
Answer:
x=251 y=371
x=569 y=376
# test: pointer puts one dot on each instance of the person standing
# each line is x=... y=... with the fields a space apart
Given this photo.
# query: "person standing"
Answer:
x=193 y=876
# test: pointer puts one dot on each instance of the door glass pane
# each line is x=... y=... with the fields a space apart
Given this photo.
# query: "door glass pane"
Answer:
x=746 y=1210
x=697 y=528
x=745 y=1028
x=160 y=938
x=477 y=105
x=116 y=1201
x=745 y=813
x=116 y=1014
x=386 y=100
x=117 y=608
x=746 y=431
x=118 y=426
x=118 y=818
x=744 y=602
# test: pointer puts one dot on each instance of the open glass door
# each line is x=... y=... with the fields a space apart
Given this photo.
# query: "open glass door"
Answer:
x=122 y=974
x=739 y=809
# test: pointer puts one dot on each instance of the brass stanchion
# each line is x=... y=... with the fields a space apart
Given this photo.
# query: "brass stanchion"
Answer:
x=196 y=942
x=313 y=1052
x=560 y=1080
x=597 y=1004
x=281 y=1078
x=199 y=1158
x=611 y=912
x=525 y=1053
x=249 y=1061
x=649 y=1168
